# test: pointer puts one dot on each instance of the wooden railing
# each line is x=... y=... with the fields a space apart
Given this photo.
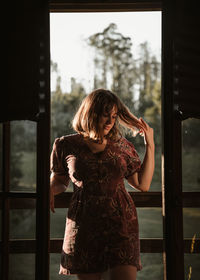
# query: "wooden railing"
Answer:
x=142 y=200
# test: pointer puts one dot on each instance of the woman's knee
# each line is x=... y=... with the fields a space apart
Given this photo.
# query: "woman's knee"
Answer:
x=125 y=272
x=89 y=276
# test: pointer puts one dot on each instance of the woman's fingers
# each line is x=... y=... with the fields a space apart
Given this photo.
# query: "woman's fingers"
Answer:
x=147 y=132
x=141 y=124
x=144 y=123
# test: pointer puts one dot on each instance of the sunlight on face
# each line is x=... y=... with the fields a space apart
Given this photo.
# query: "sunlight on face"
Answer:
x=106 y=121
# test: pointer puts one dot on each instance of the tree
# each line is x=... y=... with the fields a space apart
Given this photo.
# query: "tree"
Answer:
x=149 y=85
x=148 y=78
x=64 y=106
x=114 y=62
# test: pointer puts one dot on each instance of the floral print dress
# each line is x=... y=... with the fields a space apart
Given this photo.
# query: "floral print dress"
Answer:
x=101 y=225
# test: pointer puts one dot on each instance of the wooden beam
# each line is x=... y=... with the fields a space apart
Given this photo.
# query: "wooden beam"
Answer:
x=43 y=145
x=104 y=6
x=173 y=257
x=5 y=229
x=148 y=245
x=17 y=195
x=150 y=199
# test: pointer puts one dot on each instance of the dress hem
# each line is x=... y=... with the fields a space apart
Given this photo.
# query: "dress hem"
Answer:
x=65 y=271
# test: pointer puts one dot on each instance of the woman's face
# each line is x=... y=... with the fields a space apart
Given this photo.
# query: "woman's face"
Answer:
x=107 y=120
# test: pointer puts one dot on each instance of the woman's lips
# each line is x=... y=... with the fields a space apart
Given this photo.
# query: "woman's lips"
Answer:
x=107 y=127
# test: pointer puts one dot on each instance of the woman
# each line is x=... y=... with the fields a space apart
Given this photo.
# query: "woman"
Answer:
x=102 y=226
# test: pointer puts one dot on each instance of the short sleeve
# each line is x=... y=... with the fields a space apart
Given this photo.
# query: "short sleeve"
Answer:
x=133 y=160
x=57 y=163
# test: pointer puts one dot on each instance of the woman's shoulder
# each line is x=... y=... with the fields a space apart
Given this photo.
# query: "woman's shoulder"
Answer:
x=68 y=138
x=67 y=141
x=71 y=137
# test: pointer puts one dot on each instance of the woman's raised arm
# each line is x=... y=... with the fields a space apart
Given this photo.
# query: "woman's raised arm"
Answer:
x=142 y=180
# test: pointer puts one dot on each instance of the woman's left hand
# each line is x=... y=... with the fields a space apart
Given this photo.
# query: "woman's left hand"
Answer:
x=147 y=132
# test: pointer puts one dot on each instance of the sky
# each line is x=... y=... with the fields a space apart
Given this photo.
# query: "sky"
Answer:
x=69 y=31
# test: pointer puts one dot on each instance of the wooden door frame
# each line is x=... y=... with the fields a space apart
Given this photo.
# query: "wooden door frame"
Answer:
x=172 y=199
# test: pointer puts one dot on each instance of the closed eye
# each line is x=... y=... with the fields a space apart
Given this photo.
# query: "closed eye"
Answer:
x=107 y=115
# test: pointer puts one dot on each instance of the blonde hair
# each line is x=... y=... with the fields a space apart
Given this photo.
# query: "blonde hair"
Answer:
x=98 y=102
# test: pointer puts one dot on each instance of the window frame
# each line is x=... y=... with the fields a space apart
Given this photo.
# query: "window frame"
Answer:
x=171 y=137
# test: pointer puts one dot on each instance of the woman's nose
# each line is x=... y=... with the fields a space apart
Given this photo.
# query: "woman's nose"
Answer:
x=108 y=120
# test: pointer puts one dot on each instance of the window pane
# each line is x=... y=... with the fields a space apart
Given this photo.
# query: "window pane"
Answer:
x=107 y=51
x=191 y=222
x=57 y=223
x=150 y=222
x=23 y=156
x=54 y=269
x=22 y=267
x=22 y=223
x=152 y=267
x=191 y=155
x=134 y=74
x=192 y=268
x=70 y=187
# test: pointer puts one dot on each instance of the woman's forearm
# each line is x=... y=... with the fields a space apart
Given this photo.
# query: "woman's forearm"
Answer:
x=147 y=168
x=57 y=185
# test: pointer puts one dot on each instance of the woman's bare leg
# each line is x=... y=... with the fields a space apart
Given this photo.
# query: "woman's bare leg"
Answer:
x=89 y=276
x=125 y=272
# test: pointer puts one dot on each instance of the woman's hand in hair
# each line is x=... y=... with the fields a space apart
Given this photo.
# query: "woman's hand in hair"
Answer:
x=147 y=132
x=142 y=180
